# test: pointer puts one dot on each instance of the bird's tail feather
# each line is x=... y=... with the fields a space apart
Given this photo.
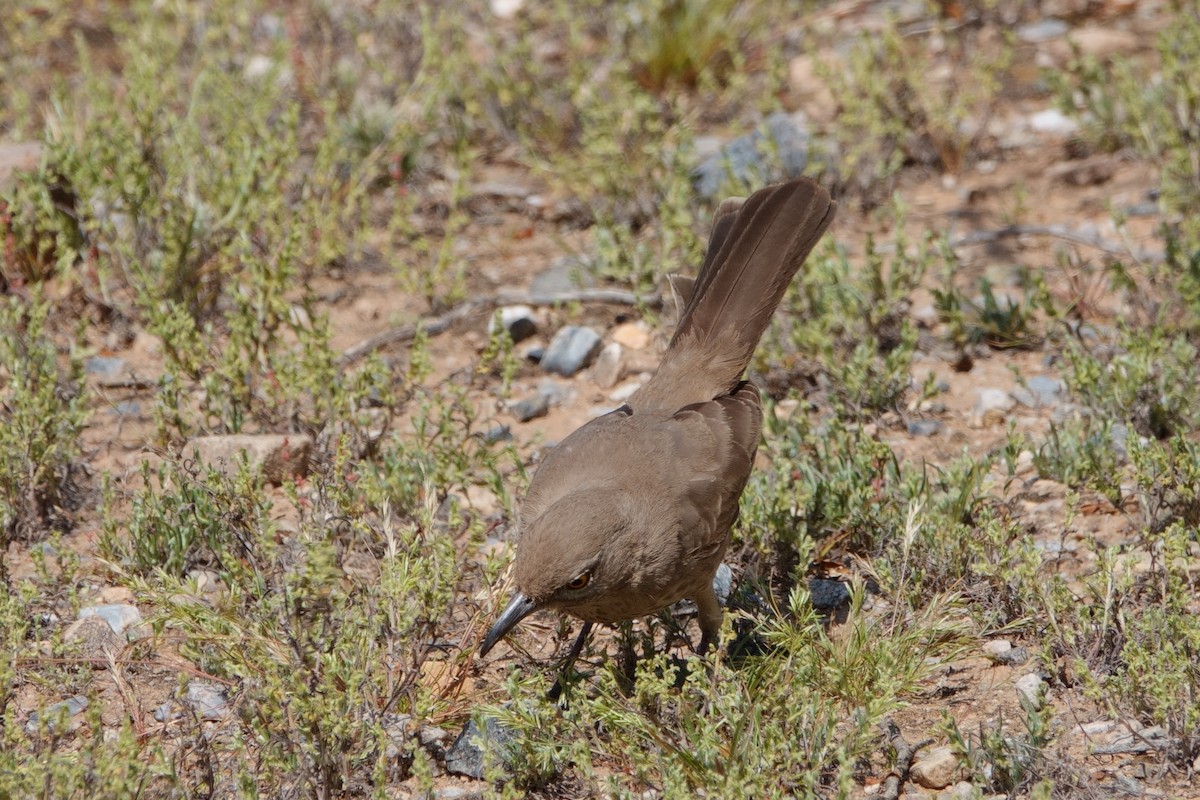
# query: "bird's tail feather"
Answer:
x=755 y=250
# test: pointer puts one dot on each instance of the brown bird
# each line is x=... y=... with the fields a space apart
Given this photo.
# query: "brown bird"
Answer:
x=632 y=512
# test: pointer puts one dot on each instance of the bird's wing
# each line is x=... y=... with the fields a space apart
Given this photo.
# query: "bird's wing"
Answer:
x=714 y=447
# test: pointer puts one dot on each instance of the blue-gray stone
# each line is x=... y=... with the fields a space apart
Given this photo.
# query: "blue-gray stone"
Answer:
x=105 y=366
x=571 y=349
x=1046 y=390
x=466 y=755
x=119 y=616
x=530 y=408
x=204 y=699
x=1042 y=31
x=924 y=427
x=58 y=716
x=748 y=159
x=722 y=583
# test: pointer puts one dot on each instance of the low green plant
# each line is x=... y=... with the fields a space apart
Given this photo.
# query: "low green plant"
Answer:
x=42 y=411
x=892 y=111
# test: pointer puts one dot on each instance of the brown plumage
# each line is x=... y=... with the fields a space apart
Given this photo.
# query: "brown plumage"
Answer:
x=632 y=512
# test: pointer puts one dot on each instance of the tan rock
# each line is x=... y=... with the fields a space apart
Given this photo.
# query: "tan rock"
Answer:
x=18 y=157
x=607 y=369
x=937 y=769
x=631 y=335
x=275 y=456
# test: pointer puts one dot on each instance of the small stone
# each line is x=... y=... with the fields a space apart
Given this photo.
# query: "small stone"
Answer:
x=206 y=700
x=1046 y=390
x=497 y=433
x=1042 y=31
x=1029 y=688
x=565 y=275
x=924 y=427
x=456 y=793
x=1053 y=121
x=466 y=756
x=59 y=716
x=121 y=617
x=556 y=392
x=429 y=735
x=745 y=158
x=506 y=9
x=571 y=349
x=275 y=456
x=530 y=408
x=625 y=391
x=607 y=369
x=828 y=595
x=631 y=335
x=109 y=370
x=722 y=583
x=991 y=406
x=1014 y=657
x=997 y=646
x=937 y=769
x=94 y=638
x=517 y=320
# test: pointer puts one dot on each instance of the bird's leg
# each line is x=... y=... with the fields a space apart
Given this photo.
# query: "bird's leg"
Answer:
x=568 y=663
x=709 y=617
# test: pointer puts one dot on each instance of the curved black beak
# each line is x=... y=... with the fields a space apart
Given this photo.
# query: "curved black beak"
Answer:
x=518 y=609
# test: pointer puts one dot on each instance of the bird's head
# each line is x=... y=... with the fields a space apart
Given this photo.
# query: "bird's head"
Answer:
x=570 y=558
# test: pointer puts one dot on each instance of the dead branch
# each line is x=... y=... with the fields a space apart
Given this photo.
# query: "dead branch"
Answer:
x=904 y=758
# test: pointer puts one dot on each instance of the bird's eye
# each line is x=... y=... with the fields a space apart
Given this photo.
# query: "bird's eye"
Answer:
x=580 y=581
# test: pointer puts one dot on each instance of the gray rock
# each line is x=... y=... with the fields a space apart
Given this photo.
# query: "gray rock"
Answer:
x=571 y=349
x=924 y=427
x=1014 y=657
x=530 y=408
x=126 y=408
x=997 y=646
x=607 y=369
x=828 y=595
x=722 y=583
x=991 y=406
x=1030 y=688
x=206 y=700
x=1042 y=31
x=275 y=456
x=745 y=159
x=565 y=275
x=59 y=717
x=457 y=793
x=497 y=433
x=1142 y=741
x=517 y=320
x=466 y=755
x=121 y=617
x=1039 y=391
x=937 y=769
x=1052 y=121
